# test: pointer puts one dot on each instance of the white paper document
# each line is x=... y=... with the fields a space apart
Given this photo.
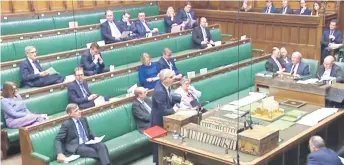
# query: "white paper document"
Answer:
x=95 y=140
x=253 y=97
x=217 y=43
x=177 y=28
x=317 y=116
x=308 y=81
x=203 y=71
x=187 y=113
x=102 y=20
x=243 y=37
x=99 y=101
x=131 y=89
x=341 y=159
x=69 y=78
x=191 y=74
x=52 y=71
x=71 y=158
x=73 y=24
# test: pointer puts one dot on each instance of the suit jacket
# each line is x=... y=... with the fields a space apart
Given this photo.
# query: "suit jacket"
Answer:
x=336 y=71
x=87 y=62
x=141 y=114
x=162 y=105
x=289 y=10
x=106 y=32
x=273 y=9
x=182 y=15
x=27 y=75
x=272 y=66
x=302 y=70
x=67 y=139
x=162 y=64
x=140 y=28
x=122 y=26
x=306 y=12
x=323 y=156
x=325 y=38
x=197 y=36
x=76 y=96
x=169 y=23
x=284 y=63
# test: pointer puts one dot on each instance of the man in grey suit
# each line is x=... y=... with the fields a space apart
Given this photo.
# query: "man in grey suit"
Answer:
x=72 y=136
x=141 y=109
x=330 y=69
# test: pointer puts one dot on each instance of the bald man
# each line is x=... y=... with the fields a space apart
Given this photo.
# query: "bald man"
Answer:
x=285 y=57
x=201 y=35
x=330 y=69
x=141 y=109
x=274 y=64
x=110 y=30
x=297 y=67
x=320 y=155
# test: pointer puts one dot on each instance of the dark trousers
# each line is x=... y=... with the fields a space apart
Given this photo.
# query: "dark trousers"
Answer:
x=45 y=81
x=341 y=152
x=93 y=72
x=97 y=151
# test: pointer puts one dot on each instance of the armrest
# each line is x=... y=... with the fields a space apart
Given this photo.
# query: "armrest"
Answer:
x=40 y=157
x=258 y=50
x=226 y=35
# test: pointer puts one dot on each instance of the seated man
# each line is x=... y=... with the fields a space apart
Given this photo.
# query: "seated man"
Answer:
x=73 y=134
x=330 y=36
x=284 y=58
x=167 y=62
x=330 y=69
x=320 y=155
x=274 y=64
x=303 y=9
x=142 y=26
x=32 y=74
x=297 y=67
x=141 y=109
x=201 y=35
x=125 y=24
x=187 y=15
x=270 y=8
x=286 y=9
x=110 y=31
x=189 y=95
x=92 y=61
x=79 y=92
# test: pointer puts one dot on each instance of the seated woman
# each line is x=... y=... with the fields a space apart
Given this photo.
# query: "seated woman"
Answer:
x=245 y=6
x=316 y=8
x=15 y=111
x=171 y=19
x=188 y=93
x=148 y=72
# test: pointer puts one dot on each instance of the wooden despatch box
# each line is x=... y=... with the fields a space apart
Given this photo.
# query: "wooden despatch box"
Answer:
x=176 y=121
x=258 y=141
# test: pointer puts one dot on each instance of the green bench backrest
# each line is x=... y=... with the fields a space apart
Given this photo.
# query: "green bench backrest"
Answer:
x=313 y=66
x=340 y=64
x=85 y=19
x=8 y=52
x=27 y=26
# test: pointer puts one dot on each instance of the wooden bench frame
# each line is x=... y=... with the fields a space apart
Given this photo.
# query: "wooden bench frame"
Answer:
x=25 y=141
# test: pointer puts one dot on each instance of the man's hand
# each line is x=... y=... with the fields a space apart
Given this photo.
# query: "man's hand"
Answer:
x=45 y=116
x=179 y=76
x=155 y=30
x=61 y=157
x=176 y=109
x=44 y=73
x=332 y=37
x=92 y=97
x=150 y=79
x=212 y=42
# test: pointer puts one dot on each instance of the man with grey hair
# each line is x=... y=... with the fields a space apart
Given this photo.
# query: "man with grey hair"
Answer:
x=297 y=67
x=141 y=109
x=329 y=69
x=32 y=74
x=320 y=155
x=285 y=57
x=110 y=30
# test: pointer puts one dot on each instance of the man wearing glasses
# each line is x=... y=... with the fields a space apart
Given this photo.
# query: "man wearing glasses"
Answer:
x=167 y=62
x=143 y=29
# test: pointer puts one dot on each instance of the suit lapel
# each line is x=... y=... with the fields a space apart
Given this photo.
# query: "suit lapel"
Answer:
x=29 y=64
x=78 y=89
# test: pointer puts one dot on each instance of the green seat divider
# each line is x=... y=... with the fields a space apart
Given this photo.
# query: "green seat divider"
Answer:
x=160 y=24
x=66 y=66
x=340 y=64
x=84 y=19
x=10 y=75
x=184 y=42
x=8 y=52
x=119 y=57
x=216 y=35
x=27 y=26
x=151 y=10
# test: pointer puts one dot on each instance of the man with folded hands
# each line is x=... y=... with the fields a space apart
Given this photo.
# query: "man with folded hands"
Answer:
x=32 y=74
x=92 y=61
x=72 y=138
x=79 y=92
x=201 y=36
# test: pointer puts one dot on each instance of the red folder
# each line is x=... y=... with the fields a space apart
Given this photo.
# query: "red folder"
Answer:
x=155 y=132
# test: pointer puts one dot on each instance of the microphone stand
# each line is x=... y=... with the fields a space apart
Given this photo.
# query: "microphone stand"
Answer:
x=249 y=125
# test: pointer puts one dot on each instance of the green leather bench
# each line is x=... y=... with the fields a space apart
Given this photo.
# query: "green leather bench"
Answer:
x=57 y=22
x=313 y=67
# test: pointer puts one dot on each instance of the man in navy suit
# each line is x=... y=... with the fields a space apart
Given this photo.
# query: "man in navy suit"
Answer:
x=142 y=26
x=162 y=103
x=303 y=9
x=142 y=109
x=92 y=61
x=320 y=155
x=125 y=25
x=270 y=8
x=79 y=93
x=110 y=30
x=330 y=69
x=330 y=36
x=297 y=67
x=284 y=58
x=167 y=62
x=286 y=9
x=186 y=14
x=32 y=74
x=274 y=64
x=201 y=36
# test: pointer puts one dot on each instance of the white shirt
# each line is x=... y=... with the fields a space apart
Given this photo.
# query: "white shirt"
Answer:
x=185 y=102
x=285 y=10
x=148 y=108
x=114 y=30
x=77 y=128
x=327 y=74
x=302 y=11
x=278 y=63
x=146 y=26
x=35 y=69
x=268 y=10
x=294 y=69
x=204 y=33
x=168 y=92
x=168 y=63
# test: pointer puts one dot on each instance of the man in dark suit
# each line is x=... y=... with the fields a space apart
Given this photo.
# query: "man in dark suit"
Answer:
x=73 y=134
x=92 y=61
x=125 y=25
x=284 y=58
x=320 y=155
x=270 y=8
x=274 y=64
x=330 y=69
x=286 y=9
x=79 y=92
x=186 y=14
x=167 y=62
x=110 y=30
x=32 y=74
x=330 y=36
x=141 y=109
x=142 y=26
x=162 y=103
x=303 y=9
x=297 y=67
x=201 y=35
x=341 y=152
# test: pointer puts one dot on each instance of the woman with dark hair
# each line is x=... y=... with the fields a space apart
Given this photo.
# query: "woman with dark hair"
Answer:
x=316 y=8
x=16 y=113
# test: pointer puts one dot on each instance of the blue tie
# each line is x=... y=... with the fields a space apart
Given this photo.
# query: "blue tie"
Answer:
x=37 y=65
x=81 y=131
x=83 y=90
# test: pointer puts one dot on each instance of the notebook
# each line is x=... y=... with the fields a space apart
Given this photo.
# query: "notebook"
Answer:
x=155 y=132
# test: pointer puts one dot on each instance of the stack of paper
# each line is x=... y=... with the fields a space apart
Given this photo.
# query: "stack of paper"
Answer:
x=51 y=71
x=187 y=113
x=308 y=81
x=293 y=115
x=71 y=158
x=316 y=116
x=95 y=140
x=253 y=97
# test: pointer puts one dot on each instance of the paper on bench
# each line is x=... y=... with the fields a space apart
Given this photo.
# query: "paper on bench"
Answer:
x=51 y=71
x=253 y=97
x=71 y=158
x=69 y=78
x=316 y=116
x=95 y=140
x=99 y=101
x=191 y=74
x=203 y=71
x=187 y=113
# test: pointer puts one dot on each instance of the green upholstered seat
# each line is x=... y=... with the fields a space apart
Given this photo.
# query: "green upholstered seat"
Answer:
x=313 y=67
x=26 y=26
x=8 y=52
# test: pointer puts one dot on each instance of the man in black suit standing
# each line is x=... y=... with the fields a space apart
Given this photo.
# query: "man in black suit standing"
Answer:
x=141 y=109
x=73 y=135
x=187 y=16
x=110 y=30
x=201 y=35
x=330 y=69
x=92 y=61
x=286 y=8
x=274 y=64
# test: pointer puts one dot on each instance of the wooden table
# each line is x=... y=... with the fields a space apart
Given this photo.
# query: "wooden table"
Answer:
x=291 y=151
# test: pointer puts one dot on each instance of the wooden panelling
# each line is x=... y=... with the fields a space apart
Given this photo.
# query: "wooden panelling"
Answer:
x=71 y=4
x=341 y=16
x=303 y=38
x=41 y=6
x=21 y=6
x=331 y=5
x=6 y=7
x=57 y=5
x=101 y=2
x=277 y=33
x=87 y=3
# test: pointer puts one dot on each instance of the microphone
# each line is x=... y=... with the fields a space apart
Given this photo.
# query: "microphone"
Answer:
x=247 y=112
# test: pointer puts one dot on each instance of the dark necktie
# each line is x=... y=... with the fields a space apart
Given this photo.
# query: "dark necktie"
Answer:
x=292 y=69
x=83 y=90
x=81 y=131
x=189 y=15
x=37 y=65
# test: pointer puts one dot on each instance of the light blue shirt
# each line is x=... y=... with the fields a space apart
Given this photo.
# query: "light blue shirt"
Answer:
x=77 y=128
